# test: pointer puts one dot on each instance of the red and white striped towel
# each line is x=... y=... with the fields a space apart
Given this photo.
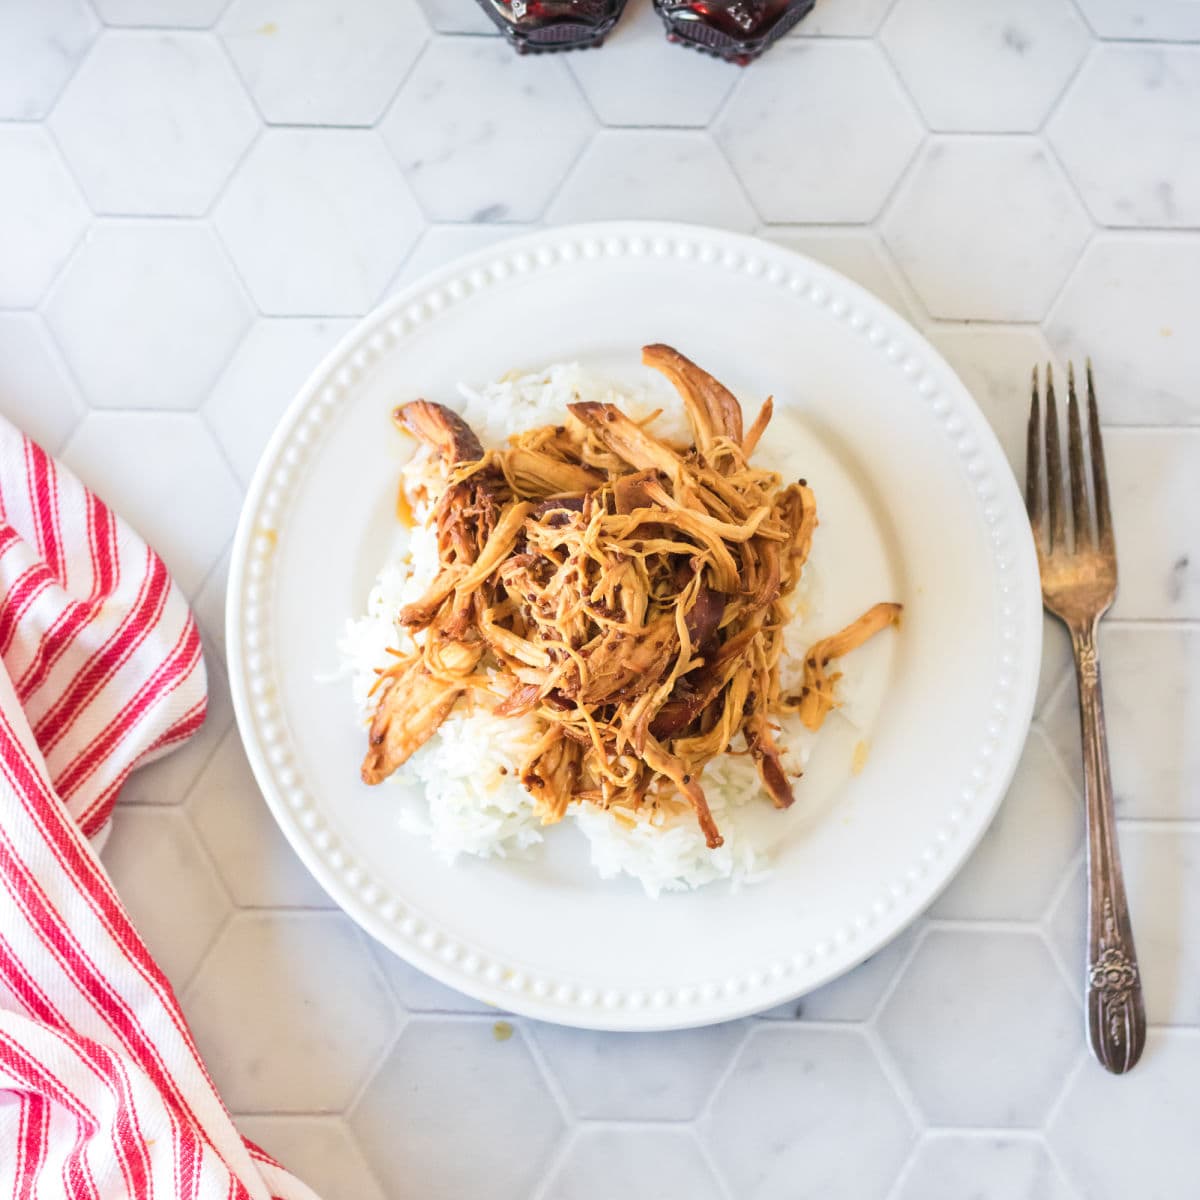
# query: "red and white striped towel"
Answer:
x=102 y=1091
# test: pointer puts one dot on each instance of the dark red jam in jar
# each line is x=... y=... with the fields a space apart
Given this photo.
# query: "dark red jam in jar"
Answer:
x=737 y=30
x=535 y=25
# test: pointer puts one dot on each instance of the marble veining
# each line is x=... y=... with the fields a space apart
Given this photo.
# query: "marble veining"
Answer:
x=1019 y=181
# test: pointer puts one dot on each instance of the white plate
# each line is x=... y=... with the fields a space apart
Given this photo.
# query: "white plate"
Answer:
x=917 y=504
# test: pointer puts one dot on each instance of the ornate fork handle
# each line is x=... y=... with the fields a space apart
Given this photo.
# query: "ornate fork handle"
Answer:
x=1115 y=1011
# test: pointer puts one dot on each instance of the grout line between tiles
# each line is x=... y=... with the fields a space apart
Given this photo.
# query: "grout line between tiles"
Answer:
x=896 y=1078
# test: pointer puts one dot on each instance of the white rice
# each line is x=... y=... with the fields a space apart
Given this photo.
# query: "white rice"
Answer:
x=460 y=789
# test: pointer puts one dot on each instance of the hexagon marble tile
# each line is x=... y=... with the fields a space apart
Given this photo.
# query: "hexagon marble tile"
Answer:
x=321 y=1150
x=640 y=1164
x=984 y=1167
x=264 y=374
x=1128 y=133
x=163 y=473
x=815 y=180
x=647 y=82
x=1126 y=306
x=41 y=215
x=305 y=1047
x=1133 y=1135
x=981 y=67
x=663 y=175
x=843 y=18
x=1153 y=751
x=183 y=14
x=1162 y=878
x=790 y=1088
x=1000 y=204
x=198 y=195
x=338 y=195
x=253 y=858
x=963 y=1006
x=441 y=244
x=1134 y=19
x=857 y=253
x=444 y=1074
x=496 y=153
x=169 y=886
x=40 y=46
x=168 y=157
x=664 y=1077
x=31 y=369
x=313 y=62
x=1041 y=825
x=150 y=288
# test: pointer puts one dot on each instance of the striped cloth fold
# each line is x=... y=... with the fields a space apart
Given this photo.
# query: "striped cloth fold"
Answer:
x=102 y=1091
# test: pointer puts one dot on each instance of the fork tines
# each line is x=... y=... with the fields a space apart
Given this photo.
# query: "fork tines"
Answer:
x=1051 y=508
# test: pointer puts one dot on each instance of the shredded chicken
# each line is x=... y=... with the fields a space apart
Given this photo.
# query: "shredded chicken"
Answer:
x=629 y=592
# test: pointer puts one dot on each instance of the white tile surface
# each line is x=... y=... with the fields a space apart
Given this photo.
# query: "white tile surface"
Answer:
x=208 y=605
x=470 y=1075
x=289 y=1012
x=419 y=993
x=164 y=295
x=169 y=779
x=317 y=221
x=636 y=1164
x=37 y=392
x=1162 y=879
x=814 y=179
x=40 y=45
x=985 y=67
x=995 y=362
x=42 y=215
x=660 y=175
x=843 y=18
x=319 y=1150
x=647 y=81
x=799 y=1105
x=182 y=14
x=323 y=62
x=165 y=476
x=952 y=1167
x=154 y=123
x=455 y=16
x=1150 y=705
x=983 y=1028
x=224 y=312
x=1128 y=305
x=168 y=885
x=1057 y=662
x=1040 y=824
x=1128 y=132
x=1163 y=872
x=856 y=995
x=1135 y=1134
x=656 y=1077
x=1137 y=19
x=1155 y=487
x=253 y=857
x=266 y=371
x=1000 y=204
x=858 y=253
x=441 y=244
x=497 y=151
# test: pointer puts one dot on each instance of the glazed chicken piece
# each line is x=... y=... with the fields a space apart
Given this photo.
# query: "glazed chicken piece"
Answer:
x=626 y=593
x=412 y=704
x=417 y=693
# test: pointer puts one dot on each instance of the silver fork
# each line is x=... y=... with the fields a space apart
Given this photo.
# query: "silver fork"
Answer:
x=1079 y=580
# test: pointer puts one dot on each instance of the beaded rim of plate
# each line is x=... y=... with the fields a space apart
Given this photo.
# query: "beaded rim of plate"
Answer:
x=252 y=673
